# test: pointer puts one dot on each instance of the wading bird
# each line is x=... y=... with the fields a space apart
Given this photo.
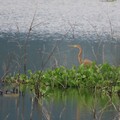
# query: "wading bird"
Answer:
x=81 y=61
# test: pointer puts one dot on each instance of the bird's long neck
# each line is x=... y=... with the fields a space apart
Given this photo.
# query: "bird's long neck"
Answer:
x=80 y=55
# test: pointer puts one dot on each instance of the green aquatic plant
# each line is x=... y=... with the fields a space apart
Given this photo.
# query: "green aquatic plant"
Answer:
x=104 y=78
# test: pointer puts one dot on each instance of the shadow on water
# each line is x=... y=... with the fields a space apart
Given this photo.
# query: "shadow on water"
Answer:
x=61 y=105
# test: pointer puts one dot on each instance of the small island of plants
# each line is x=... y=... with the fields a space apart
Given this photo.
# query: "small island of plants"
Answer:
x=104 y=78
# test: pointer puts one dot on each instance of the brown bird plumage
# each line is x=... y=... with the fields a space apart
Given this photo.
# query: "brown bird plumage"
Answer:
x=81 y=61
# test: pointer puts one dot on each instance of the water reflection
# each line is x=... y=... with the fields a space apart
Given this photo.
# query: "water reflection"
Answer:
x=61 y=105
x=44 y=54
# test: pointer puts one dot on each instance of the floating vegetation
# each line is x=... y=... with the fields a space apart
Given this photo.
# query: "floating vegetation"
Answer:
x=104 y=78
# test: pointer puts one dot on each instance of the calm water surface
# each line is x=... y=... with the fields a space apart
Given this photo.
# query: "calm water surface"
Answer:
x=93 y=24
x=69 y=105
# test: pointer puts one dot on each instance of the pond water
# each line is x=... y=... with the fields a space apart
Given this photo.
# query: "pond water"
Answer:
x=42 y=54
x=94 y=24
x=60 y=105
x=57 y=24
x=58 y=16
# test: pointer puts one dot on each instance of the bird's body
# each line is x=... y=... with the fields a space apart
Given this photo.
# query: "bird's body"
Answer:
x=81 y=61
x=87 y=62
